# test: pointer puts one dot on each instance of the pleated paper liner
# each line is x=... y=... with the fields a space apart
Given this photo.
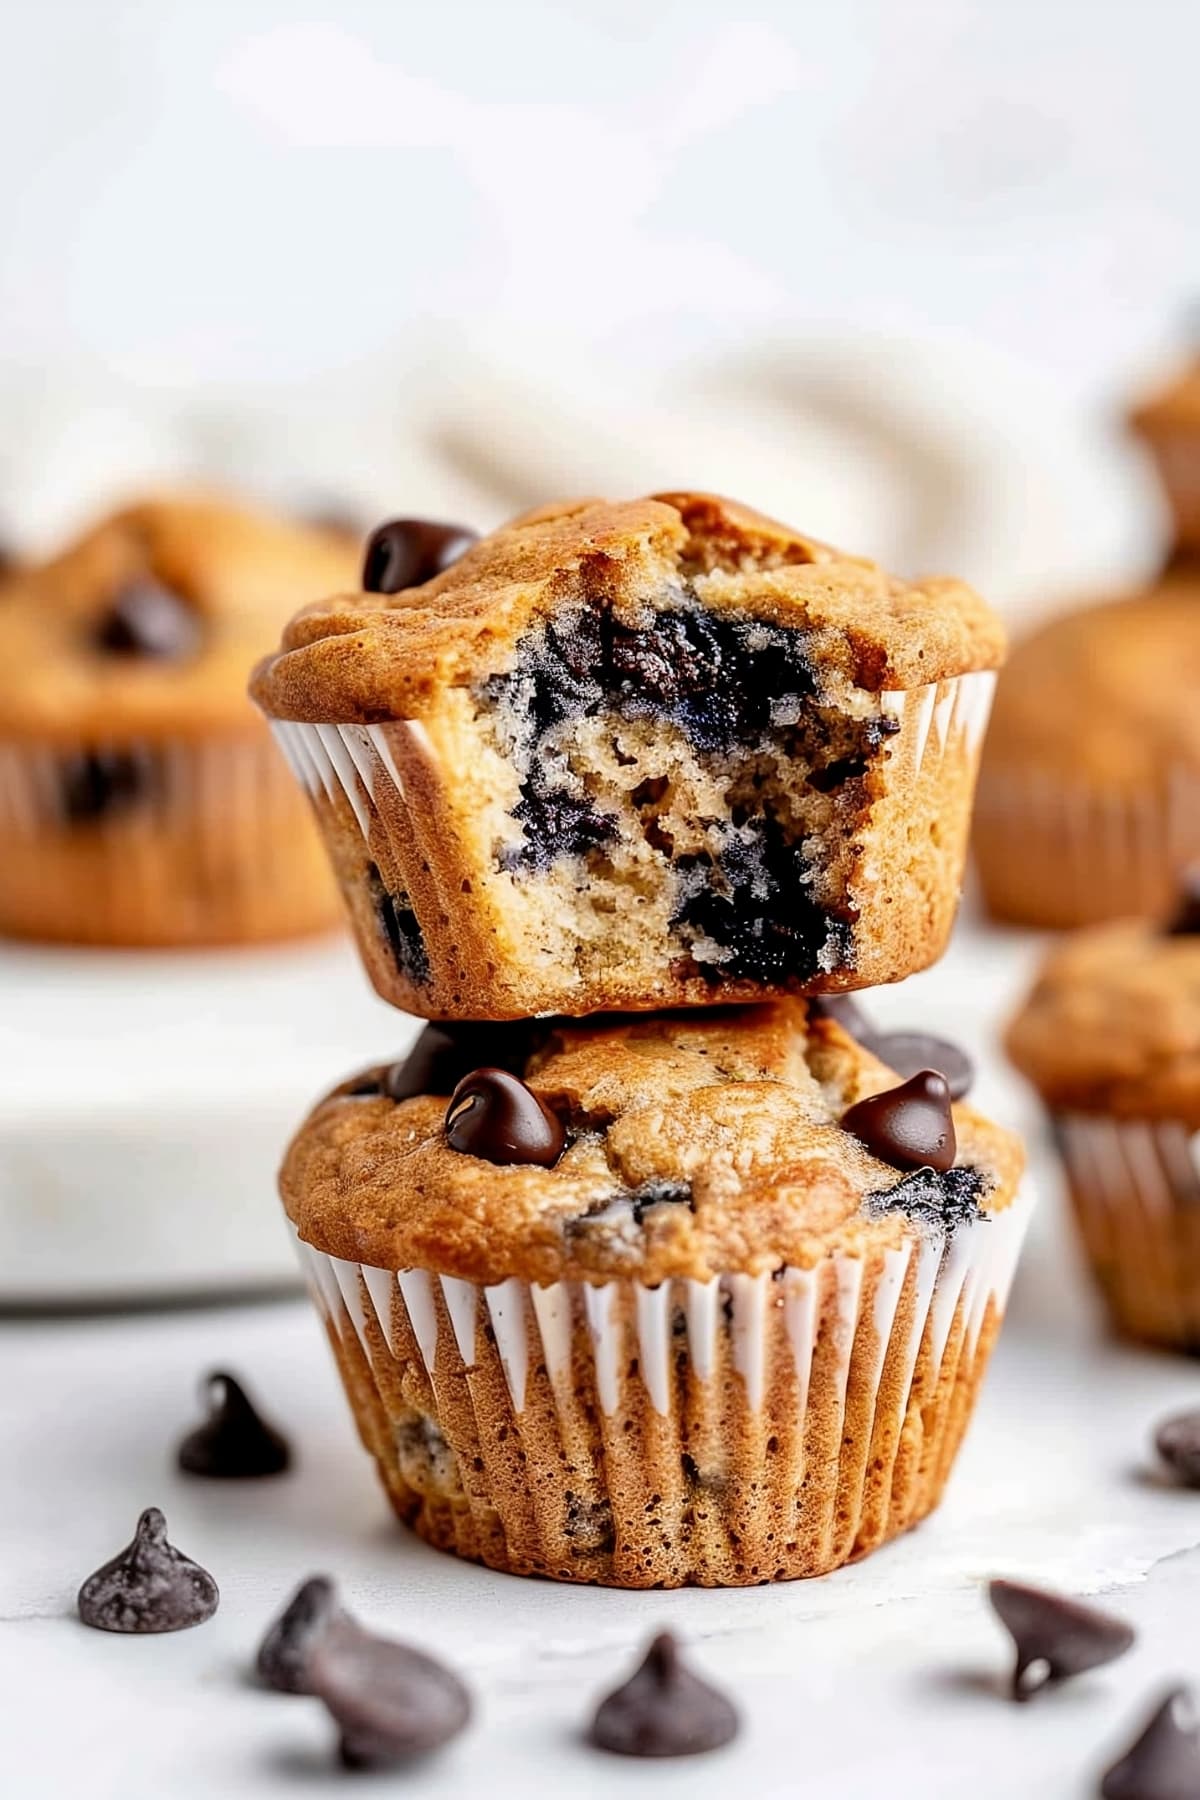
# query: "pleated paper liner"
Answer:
x=723 y=1433
x=1135 y=1192
x=179 y=843
x=1060 y=853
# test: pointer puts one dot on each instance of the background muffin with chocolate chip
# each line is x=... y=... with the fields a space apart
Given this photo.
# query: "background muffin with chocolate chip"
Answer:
x=1089 y=792
x=679 y=1298
x=628 y=755
x=141 y=800
x=1110 y=1038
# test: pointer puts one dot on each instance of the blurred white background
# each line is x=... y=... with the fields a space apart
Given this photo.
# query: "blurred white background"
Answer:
x=891 y=270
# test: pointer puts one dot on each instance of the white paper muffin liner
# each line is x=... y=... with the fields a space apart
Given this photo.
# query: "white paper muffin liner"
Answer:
x=1062 y=853
x=819 y=1410
x=208 y=846
x=1135 y=1191
x=359 y=774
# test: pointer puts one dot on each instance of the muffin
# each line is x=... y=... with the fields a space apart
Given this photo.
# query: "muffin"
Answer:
x=621 y=756
x=698 y=1297
x=1168 y=423
x=142 y=801
x=1089 y=795
x=1110 y=1038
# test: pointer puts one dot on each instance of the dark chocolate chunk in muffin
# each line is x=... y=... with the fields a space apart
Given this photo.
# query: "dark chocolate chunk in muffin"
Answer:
x=401 y=930
x=149 y=620
x=100 y=784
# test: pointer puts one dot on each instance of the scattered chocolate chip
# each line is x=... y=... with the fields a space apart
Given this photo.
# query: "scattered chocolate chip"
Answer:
x=405 y=553
x=1055 y=1636
x=1185 y=921
x=1164 y=1762
x=664 y=1709
x=149 y=1586
x=1177 y=1441
x=235 y=1442
x=494 y=1115
x=908 y=1052
x=287 y=1648
x=147 y=619
x=390 y=1702
x=910 y=1126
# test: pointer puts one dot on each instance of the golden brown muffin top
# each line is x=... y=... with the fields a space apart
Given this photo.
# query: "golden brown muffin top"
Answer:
x=1113 y=1024
x=369 y=657
x=1105 y=694
x=698 y=1143
x=235 y=574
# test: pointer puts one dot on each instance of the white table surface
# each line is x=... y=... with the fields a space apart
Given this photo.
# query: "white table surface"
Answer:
x=884 y=1677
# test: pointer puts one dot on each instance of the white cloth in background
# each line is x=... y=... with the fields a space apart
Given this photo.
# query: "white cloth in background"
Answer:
x=931 y=458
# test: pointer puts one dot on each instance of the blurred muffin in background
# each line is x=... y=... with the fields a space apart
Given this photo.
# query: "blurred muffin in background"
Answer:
x=1110 y=1038
x=1089 y=793
x=142 y=802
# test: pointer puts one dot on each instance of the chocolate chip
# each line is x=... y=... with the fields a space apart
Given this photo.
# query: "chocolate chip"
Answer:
x=1177 y=1441
x=1055 y=1636
x=495 y=1116
x=443 y=1054
x=149 y=1586
x=405 y=553
x=1185 y=921
x=147 y=619
x=1164 y=1762
x=235 y=1442
x=908 y=1052
x=909 y=1126
x=96 y=784
x=845 y=1011
x=664 y=1710
x=390 y=1702
x=287 y=1648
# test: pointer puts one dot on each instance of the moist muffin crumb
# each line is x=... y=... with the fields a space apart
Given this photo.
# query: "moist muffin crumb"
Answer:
x=628 y=755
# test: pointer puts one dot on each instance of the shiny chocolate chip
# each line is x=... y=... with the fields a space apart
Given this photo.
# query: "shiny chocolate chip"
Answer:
x=405 y=553
x=1177 y=1441
x=287 y=1648
x=1055 y=1636
x=149 y=1586
x=149 y=620
x=1185 y=920
x=1163 y=1762
x=664 y=1709
x=101 y=784
x=391 y=1703
x=495 y=1116
x=443 y=1054
x=910 y=1126
x=235 y=1442
x=908 y=1052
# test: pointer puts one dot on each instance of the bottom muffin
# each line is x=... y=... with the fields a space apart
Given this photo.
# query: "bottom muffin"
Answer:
x=678 y=1310
x=1110 y=1037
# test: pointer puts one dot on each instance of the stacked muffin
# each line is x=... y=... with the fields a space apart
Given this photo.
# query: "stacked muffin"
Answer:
x=625 y=1294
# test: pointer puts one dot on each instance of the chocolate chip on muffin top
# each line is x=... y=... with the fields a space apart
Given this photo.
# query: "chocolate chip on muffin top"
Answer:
x=695 y=1144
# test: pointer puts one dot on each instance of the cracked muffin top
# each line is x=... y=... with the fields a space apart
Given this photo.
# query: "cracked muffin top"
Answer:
x=689 y=1145
x=1105 y=694
x=144 y=626
x=364 y=658
x=1113 y=1022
